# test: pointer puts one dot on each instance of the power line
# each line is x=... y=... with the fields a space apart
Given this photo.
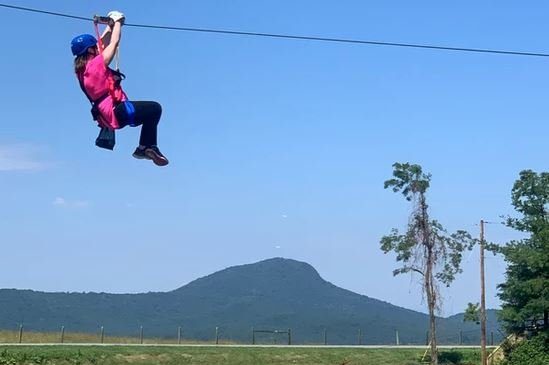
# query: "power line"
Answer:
x=44 y=12
x=294 y=37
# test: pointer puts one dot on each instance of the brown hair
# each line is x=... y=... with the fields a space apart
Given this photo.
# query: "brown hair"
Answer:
x=81 y=61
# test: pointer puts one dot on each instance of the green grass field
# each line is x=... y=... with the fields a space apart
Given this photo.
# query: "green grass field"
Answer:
x=83 y=355
x=75 y=337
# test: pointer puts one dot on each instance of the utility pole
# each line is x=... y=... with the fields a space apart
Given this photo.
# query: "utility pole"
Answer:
x=482 y=298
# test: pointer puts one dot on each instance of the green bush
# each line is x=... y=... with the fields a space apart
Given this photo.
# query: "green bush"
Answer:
x=534 y=351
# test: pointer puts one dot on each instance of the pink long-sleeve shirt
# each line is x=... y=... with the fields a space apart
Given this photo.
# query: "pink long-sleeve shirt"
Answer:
x=95 y=80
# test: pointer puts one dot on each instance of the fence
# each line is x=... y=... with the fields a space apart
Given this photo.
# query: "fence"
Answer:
x=274 y=333
x=218 y=335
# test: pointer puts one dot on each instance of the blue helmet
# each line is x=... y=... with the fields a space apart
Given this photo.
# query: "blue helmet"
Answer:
x=81 y=43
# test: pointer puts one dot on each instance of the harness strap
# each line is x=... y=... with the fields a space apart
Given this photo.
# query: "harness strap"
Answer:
x=106 y=138
x=81 y=83
x=128 y=106
x=96 y=102
x=117 y=59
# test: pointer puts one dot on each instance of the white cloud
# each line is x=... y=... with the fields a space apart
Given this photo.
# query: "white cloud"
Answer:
x=59 y=201
x=21 y=157
x=62 y=202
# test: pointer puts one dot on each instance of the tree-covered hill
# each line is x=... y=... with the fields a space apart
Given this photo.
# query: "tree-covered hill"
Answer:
x=272 y=294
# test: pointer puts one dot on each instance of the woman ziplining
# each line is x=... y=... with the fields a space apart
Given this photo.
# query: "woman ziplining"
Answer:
x=110 y=105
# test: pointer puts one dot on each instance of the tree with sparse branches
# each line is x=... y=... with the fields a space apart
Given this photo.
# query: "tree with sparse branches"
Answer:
x=425 y=248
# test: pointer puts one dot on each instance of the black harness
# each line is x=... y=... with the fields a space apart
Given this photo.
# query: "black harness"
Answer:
x=106 y=138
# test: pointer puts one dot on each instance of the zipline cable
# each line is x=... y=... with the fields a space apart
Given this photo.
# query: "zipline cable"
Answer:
x=44 y=12
x=295 y=37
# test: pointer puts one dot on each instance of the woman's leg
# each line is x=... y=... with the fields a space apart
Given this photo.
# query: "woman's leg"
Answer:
x=147 y=114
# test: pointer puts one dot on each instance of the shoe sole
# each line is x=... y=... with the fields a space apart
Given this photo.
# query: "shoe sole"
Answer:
x=141 y=157
x=156 y=158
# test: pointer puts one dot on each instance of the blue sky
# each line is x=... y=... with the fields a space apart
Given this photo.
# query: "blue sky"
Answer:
x=277 y=147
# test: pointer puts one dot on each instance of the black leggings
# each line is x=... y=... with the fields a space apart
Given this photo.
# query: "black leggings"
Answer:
x=147 y=114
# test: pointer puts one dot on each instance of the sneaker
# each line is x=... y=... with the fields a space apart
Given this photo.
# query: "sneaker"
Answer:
x=140 y=154
x=154 y=154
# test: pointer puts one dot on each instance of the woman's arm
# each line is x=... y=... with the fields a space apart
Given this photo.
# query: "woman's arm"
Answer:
x=106 y=36
x=114 y=41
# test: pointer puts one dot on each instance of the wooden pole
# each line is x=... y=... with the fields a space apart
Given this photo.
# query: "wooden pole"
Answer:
x=141 y=335
x=397 y=338
x=253 y=336
x=102 y=334
x=460 y=337
x=62 y=334
x=179 y=335
x=426 y=351
x=20 y=333
x=482 y=298
x=217 y=335
x=289 y=336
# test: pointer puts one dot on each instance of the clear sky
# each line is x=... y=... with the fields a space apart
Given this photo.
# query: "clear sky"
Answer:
x=277 y=147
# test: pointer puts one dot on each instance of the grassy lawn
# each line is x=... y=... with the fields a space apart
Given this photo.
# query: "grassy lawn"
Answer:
x=74 y=337
x=64 y=355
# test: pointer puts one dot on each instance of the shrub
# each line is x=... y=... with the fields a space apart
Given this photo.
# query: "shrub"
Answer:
x=534 y=351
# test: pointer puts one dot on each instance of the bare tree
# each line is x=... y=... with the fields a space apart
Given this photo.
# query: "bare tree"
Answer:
x=425 y=248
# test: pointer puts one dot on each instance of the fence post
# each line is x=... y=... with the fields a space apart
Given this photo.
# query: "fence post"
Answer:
x=491 y=338
x=141 y=335
x=102 y=334
x=253 y=336
x=179 y=335
x=289 y=336
x=460 y=337
x=397 y=338
x=62 y=334
x=217 y=335
x=325 y=337
x=20 y=333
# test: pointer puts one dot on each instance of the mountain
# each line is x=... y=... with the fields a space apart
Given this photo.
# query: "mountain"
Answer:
x=471 y=331
x=272 y=294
